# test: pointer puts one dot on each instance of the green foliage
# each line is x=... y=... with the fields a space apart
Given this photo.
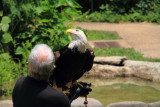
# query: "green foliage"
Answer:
x=4 y=26
x=6 y=38
x=36 y=22
x=126 y=10
x=9 y=72
x=24 y=24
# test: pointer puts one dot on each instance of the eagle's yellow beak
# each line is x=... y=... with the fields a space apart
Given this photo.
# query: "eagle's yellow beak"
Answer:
x=69 y=31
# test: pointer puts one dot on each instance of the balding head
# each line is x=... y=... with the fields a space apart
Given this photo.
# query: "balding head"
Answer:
x=41 y=62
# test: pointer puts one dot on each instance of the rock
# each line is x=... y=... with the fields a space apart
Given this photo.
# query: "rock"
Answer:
x=156 y=104
x=6 y=103
x=105 y=67
x=112 y=60
x=91 y=102
x=134 y=104
x=128 y=104
x=145 y=70
x=144 y=63
x=108 y=71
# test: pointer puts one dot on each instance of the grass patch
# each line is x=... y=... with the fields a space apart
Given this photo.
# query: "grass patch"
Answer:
x=102 y=35
x=130 y=53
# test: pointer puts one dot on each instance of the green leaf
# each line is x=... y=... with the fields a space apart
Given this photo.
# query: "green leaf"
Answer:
x=39 y=10
x=5 y=55
x=61 y=3
x=46 y=20
x=1 y=26
x=19 y=51
x=7 y=38
x=73 y=3
x=34 y=38
x=5 y=27
x=6 y=20
x=1 y=13
x=22 y=36
x=71 y=11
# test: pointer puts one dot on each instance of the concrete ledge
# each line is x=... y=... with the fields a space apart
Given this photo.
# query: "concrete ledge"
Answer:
x=6 y=103
x=134 y=104
x=91 y=102
x=76 y=103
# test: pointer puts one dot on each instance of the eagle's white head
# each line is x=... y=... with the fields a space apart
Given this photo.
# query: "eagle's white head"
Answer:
x=80 y=40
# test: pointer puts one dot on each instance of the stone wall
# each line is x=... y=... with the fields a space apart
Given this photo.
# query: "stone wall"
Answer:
x=111 y=67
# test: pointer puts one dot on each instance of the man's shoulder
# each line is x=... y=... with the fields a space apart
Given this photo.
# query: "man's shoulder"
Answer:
x=54 y=93
x=21 y=79
x=55 y=97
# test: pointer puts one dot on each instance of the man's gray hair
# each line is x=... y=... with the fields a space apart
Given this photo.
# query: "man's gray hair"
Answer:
x=41 y=62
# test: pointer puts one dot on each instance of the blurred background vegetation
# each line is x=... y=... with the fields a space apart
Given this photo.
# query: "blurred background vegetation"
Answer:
x=120 y=11
x=24 y=23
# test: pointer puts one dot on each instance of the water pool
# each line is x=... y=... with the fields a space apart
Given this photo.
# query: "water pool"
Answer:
x=124 y=89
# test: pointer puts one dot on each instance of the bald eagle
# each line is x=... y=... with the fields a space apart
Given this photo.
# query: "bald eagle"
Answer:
x=74 y=60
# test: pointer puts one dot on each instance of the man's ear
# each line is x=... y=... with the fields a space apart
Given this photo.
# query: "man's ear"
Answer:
x=56 y=54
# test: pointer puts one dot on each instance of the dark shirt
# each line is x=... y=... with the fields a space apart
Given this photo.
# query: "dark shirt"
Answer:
x=29 y=92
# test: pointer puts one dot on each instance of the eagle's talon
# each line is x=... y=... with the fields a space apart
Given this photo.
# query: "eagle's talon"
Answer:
x=79 y=83
x=66 y=91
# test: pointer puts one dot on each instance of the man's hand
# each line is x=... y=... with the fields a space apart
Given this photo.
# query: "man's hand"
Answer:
x=77 y=90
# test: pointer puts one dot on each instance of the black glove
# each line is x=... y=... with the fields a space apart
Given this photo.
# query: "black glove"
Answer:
x=79 y=90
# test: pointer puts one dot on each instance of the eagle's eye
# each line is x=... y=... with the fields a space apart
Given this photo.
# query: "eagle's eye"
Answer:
x=77 y=30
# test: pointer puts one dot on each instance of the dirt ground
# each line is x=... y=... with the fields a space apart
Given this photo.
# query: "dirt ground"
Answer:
x=144 y=37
